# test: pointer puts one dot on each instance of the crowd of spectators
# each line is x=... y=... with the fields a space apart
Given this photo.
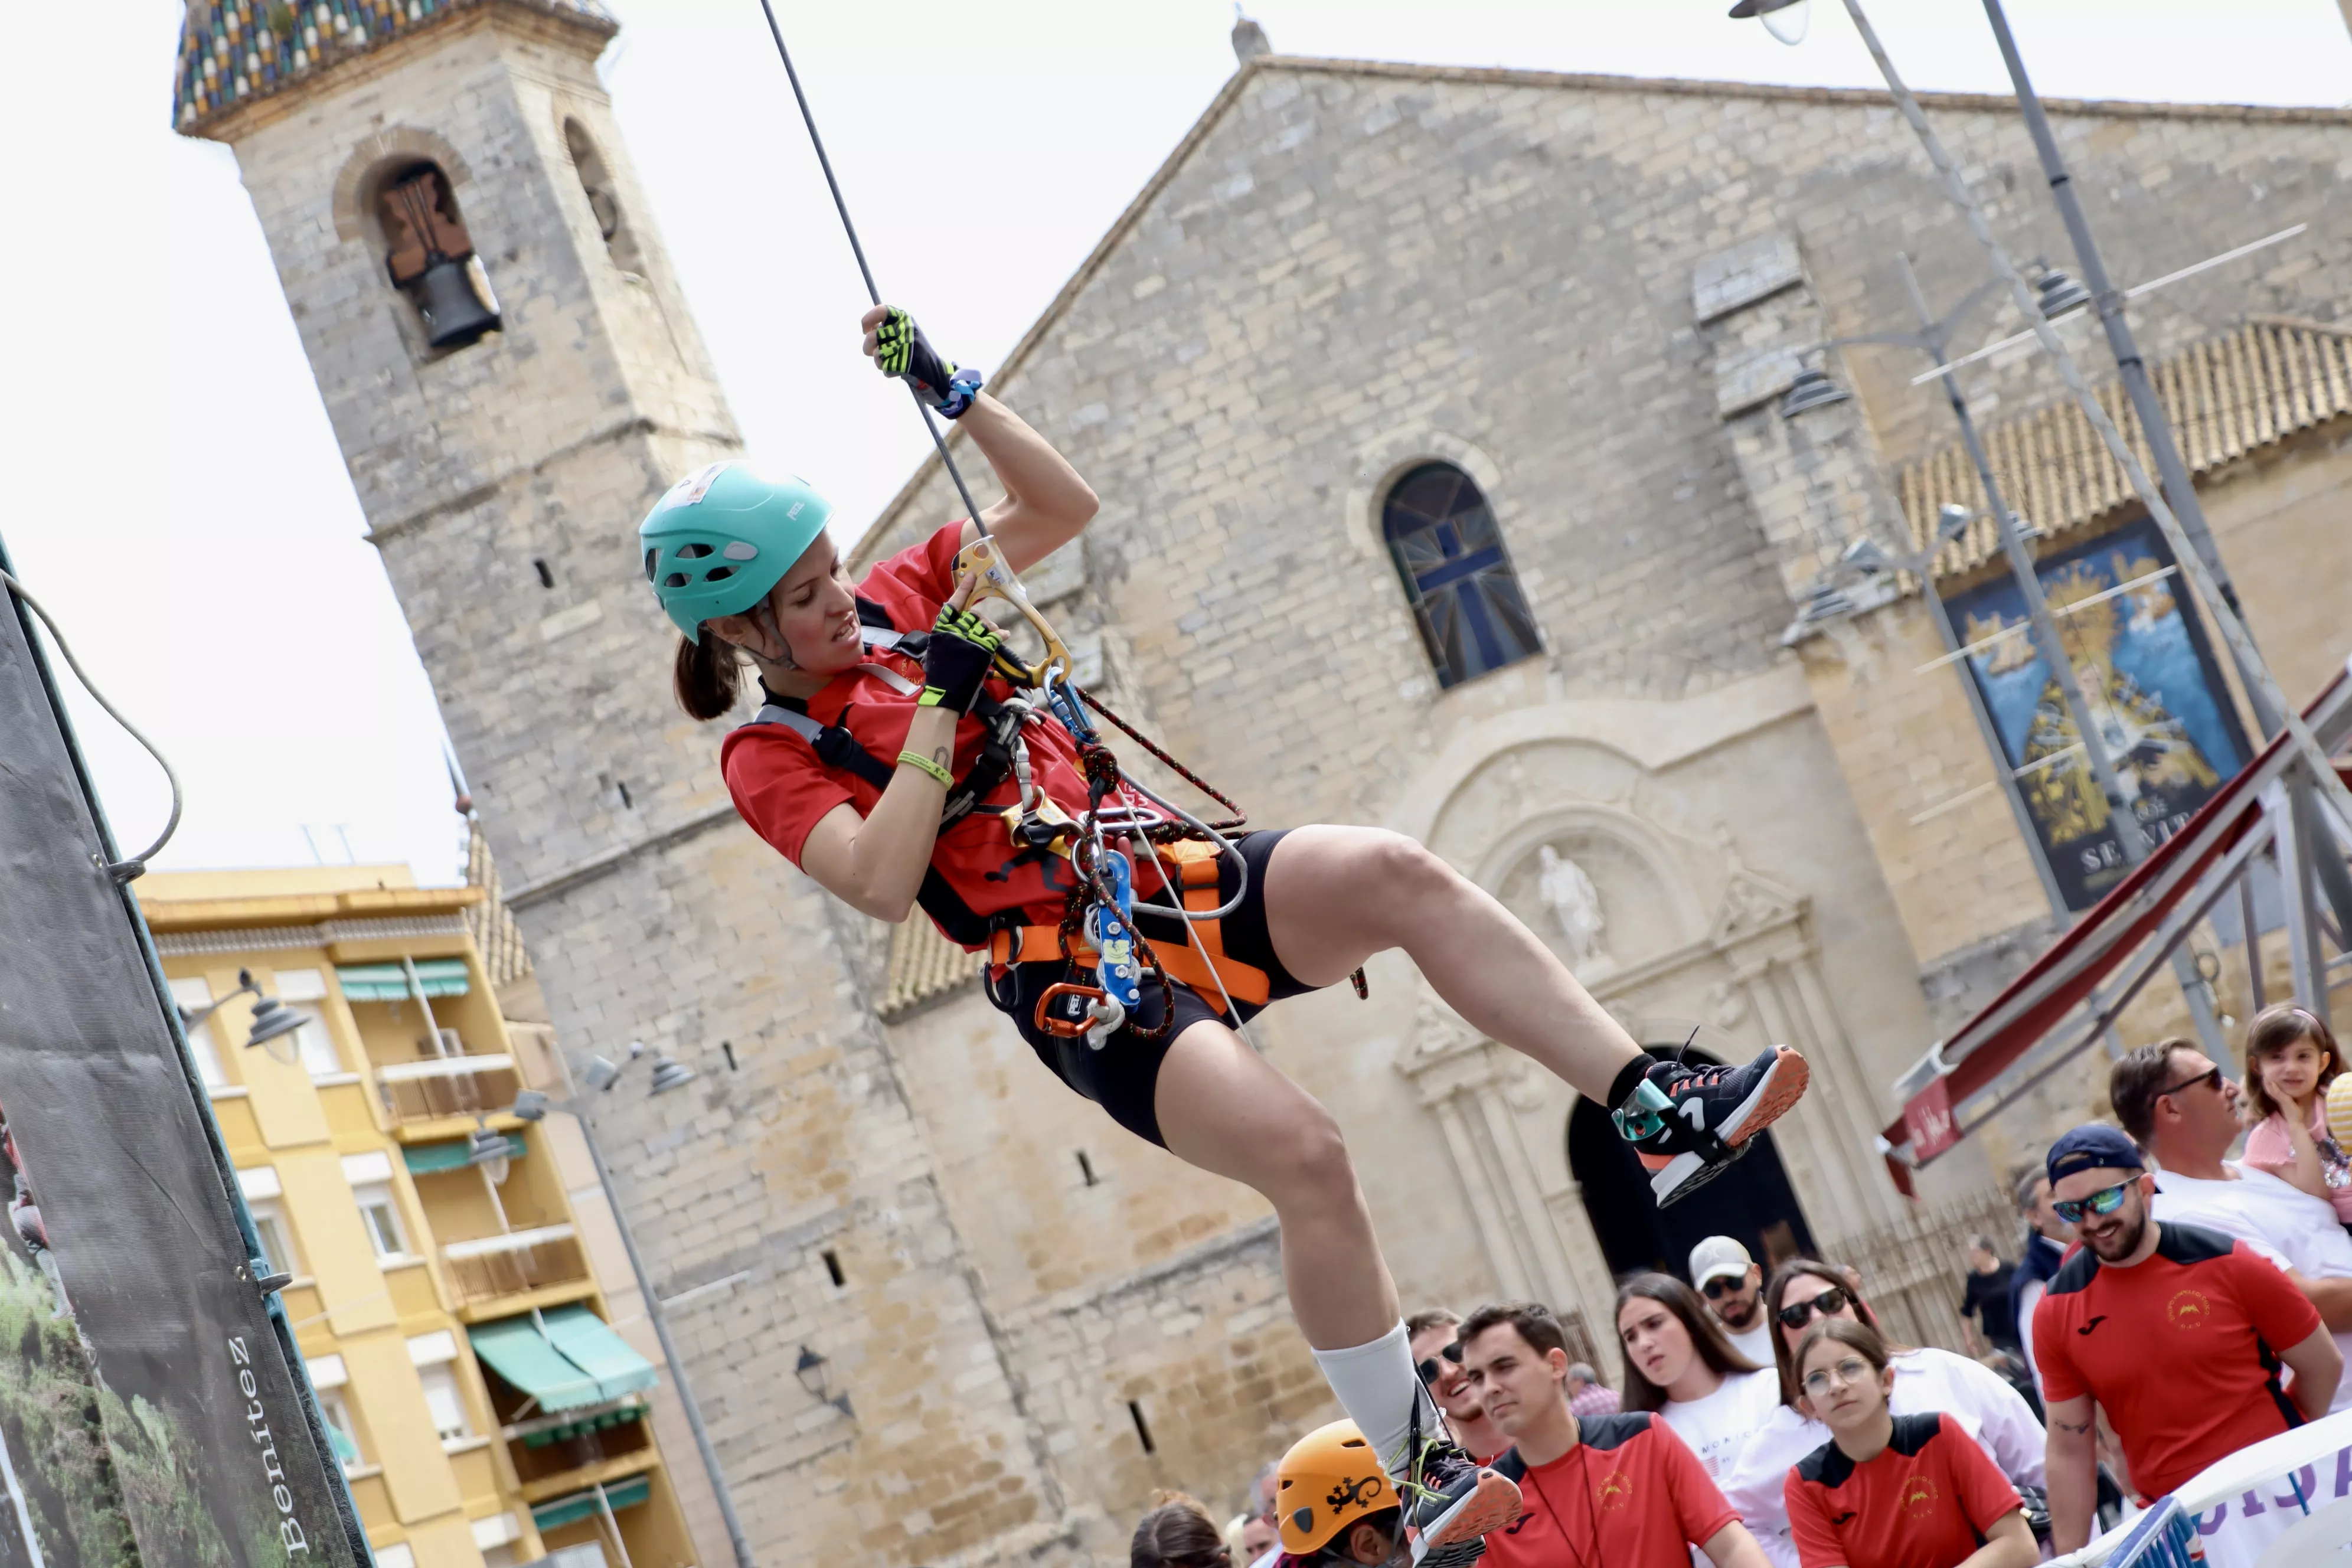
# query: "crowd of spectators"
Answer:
x=2166 y=1306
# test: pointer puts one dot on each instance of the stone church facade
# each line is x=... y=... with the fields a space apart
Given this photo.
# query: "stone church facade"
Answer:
x=1582 y=297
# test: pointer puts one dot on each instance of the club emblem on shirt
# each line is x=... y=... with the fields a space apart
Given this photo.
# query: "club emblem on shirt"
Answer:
x=1918 y=1496
x=2188 y=1309
x=1614 y=1492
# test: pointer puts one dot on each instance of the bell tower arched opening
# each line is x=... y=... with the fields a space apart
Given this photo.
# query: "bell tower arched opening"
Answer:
x=1753 y=1202
x=428 y=255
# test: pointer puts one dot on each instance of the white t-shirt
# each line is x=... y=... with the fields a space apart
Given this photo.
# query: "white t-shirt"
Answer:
x=1716 y=1427
x=1972 y=1394
x=1756 y=1344
x=2284 y=1223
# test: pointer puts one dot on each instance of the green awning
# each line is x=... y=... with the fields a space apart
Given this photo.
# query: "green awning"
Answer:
x=569 y=1509
x=600 y=1352
x=577 y=1362
x=424 y=1159
x=389 y=981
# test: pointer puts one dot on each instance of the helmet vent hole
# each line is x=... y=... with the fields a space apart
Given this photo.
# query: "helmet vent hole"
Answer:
x=675 y=580
x=652 y=556
x=740 y=549
x=1352 y=1443
x=692 y=551
x=718 y=574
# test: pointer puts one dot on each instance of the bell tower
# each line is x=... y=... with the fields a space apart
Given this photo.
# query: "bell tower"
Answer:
x=513 y=377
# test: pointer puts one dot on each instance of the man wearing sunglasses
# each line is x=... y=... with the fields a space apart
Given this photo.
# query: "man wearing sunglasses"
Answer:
x=1434 y=1337
x=2178 y=1330
x=1721 y=1270
x=2178 y=1107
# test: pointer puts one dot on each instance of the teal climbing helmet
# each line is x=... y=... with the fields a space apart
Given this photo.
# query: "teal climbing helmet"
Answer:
x=722 y=537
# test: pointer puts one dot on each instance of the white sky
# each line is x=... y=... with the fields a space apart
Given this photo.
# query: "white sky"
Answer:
x=176 y=496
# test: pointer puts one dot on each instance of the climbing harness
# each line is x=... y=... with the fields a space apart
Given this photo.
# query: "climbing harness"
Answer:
x=1097 y=933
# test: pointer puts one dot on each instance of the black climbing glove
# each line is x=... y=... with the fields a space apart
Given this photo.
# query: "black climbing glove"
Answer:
x=902 y=350
x=956 y=660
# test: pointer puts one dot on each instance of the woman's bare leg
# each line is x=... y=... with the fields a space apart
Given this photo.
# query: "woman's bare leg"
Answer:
x=1223 y=1108
x=1334 y=896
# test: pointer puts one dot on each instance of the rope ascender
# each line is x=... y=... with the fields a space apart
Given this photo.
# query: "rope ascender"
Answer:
x=1098 y=928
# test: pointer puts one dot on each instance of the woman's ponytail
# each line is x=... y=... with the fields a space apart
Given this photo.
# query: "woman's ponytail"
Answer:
x=706 y=677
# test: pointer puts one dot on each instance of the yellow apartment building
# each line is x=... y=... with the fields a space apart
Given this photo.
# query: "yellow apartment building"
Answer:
x=444 y=1289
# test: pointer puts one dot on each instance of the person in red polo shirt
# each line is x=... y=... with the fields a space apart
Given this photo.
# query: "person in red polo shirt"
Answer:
x=1888 y=1491
x=2180 y=1333
x=1620 y=1491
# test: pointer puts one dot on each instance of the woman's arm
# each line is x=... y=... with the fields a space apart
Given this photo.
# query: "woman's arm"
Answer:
x=876 y=863
x=1046 y=503
x=2008 y=1545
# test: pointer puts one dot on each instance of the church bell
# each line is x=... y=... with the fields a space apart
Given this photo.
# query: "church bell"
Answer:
x=452 y=299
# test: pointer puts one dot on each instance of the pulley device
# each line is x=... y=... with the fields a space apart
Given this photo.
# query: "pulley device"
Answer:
x=1097 y=930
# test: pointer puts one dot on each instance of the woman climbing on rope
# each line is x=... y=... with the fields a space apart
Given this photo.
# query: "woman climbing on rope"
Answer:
x=896 y=765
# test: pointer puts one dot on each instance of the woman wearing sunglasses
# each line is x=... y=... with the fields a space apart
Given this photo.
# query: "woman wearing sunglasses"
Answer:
x=1803 y=1294
x=1888 y=1491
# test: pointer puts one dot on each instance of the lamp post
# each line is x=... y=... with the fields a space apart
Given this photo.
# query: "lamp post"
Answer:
x=2059 y=294
x=2171 y=472
x=532 y=1105
x=271 y=1018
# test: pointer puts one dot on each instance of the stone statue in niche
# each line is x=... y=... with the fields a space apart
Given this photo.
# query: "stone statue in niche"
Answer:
x=1575 y=905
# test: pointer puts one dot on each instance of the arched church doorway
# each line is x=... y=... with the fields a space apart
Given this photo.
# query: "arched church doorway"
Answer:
x=1753 y=1202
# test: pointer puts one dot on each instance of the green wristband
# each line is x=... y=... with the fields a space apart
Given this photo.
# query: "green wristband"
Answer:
x=916 y=759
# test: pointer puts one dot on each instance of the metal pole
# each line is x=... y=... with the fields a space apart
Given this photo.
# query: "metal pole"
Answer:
x=2171 y=472
x=685 y=1391
x=2131 y=834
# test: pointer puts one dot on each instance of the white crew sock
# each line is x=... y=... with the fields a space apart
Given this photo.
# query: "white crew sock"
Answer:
x=1378 y=1388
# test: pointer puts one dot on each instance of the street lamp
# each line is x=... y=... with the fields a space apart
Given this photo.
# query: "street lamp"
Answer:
x=811 y=1370
x=667 y=1073
x=1784 y=19
x=1812 y=389
x=271 y=1018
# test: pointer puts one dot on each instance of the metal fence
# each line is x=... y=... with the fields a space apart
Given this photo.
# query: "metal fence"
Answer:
x=1912 y=1268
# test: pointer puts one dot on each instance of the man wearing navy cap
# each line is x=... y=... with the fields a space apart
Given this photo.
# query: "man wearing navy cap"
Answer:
x=2179 y=1332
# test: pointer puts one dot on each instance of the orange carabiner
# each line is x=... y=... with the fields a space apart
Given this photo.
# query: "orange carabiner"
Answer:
x=1067 y=1028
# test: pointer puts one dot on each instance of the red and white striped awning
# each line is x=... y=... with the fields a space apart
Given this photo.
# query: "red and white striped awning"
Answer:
x=1990 y=1060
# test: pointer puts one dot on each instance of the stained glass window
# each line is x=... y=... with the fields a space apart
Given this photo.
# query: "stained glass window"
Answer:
x=1456 y=575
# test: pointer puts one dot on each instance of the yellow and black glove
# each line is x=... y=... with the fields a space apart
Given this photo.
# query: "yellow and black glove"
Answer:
x=956 y=659
x=902 y=350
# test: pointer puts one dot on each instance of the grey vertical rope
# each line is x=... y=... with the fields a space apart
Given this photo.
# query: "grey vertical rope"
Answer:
x=873 y=295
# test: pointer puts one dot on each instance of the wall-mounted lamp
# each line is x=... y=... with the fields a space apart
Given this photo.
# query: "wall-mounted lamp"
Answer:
x=811 y=1370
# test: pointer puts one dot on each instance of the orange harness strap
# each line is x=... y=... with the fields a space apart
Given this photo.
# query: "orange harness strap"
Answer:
x=1194 y=873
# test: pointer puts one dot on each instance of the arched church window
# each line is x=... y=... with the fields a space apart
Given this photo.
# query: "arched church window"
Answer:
x=1457 y=575
x=430 y=258
x=603 y=198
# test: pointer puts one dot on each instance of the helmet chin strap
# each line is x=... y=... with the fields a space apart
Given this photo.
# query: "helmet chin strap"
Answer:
x=764 y=615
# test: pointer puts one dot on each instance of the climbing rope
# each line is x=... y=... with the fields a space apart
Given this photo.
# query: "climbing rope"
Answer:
x=1100 y=907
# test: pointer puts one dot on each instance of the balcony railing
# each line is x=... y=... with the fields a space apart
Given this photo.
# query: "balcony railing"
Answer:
x=508 y=1264
x=441 y=1087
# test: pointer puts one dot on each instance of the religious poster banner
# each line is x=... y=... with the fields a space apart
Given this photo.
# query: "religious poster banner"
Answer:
x=151 y=1413
x=2149 y=677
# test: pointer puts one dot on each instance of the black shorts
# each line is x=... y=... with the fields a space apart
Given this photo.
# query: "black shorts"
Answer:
x=1121 y=1077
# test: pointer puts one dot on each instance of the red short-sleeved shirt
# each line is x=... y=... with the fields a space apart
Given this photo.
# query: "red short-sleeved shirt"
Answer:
x=1630 y=1495
x=2181 y=1349
x=783 y=790
x=1927 y=1500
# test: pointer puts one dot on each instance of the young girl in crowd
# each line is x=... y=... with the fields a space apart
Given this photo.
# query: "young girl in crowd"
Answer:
x=1678 y=1363
x=1802 y=1293
x=1888 y=1491
x=2291 y=1059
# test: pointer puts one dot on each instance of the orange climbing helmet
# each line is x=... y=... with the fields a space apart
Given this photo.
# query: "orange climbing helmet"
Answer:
x=1329 y=1480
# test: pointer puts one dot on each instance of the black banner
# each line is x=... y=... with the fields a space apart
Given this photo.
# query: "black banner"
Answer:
x=149 y=1412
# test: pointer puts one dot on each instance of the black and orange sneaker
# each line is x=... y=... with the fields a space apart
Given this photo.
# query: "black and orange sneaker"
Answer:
x=1450 y=1502
x=1689 y=1124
